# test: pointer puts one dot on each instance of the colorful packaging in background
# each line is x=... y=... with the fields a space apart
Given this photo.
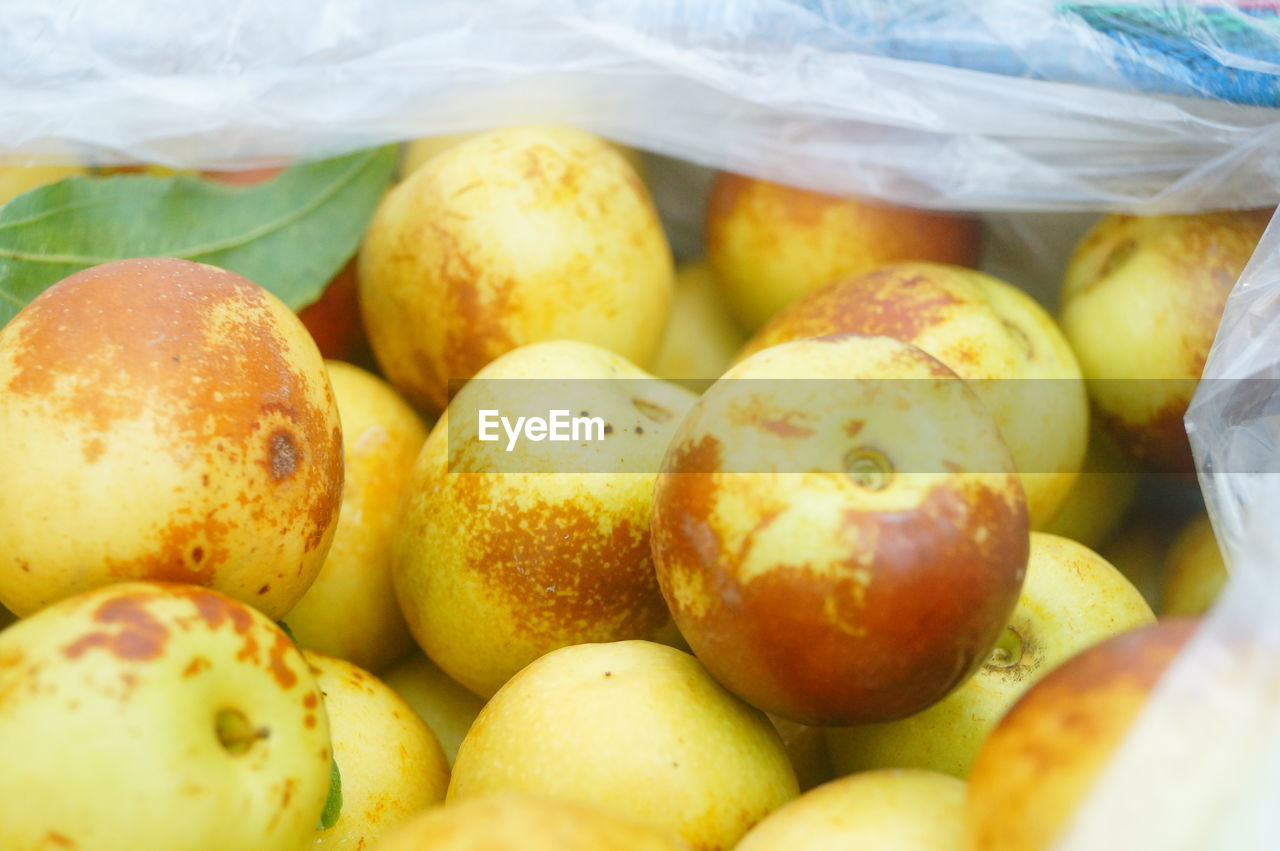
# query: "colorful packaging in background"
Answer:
x=999 y=106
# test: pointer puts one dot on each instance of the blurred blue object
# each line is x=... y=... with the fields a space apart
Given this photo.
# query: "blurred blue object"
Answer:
x=1228 y=52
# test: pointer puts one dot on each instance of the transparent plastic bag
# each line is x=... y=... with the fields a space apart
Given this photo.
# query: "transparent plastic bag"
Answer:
x=828 y=95
x=999 y=106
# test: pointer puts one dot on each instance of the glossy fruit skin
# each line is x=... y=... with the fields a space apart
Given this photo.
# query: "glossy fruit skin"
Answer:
x=637 y=729
x=902 y=810
x=1141 y=301
x=532 y=822
x=502 y=557
x=516 y=236
x=1072 y=599
x=184 y=431
x=446 y=706
x=812 y=596
x=771 y=244
x=986 y=330
x=390 y=762
x=1037 y=765
x=114 y=696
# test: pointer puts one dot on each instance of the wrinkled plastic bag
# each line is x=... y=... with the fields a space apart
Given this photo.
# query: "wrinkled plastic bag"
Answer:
x=1000 y=106
x=810 y=92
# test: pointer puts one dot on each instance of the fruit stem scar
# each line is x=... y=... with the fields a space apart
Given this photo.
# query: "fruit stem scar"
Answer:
x=1008 y=650
x=868 y=468
x=236 y=733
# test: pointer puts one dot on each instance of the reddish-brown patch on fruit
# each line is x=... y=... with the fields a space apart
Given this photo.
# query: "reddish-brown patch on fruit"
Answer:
x=335 y=319
x=216 y=609
x=310 y=700
x=1160 y=444
x=556 y=566
x=686 y=496
x=800 y=206
x=470 y=301
x=277 y=661
x=195 y=666
x=53 y=837
x=140 y=636
x=309 y=722
x=892 y=301
x=860 y=644
x=322 y=512
x=188 y=552
x=758 y=412
x=877 y=233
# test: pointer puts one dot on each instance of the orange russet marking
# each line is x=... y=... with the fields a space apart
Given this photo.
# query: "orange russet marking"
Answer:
x=568 y=570
x=881 y=303
x=280 y=670
x=141 y=636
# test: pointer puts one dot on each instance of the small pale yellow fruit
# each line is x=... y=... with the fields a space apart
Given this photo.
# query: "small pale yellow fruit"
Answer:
x=17 y=179
x=1194 y=571
x=512 y=237
x=503 y=556
x=444 y=704
x=1071 y=599
x=771 y=244
x=350 y=610
x=640 y=730
x=991 y=334
x=1102 y=494
x=884 y=810
x=390 y=762
x=172 y=695
x=526 y=822
x=701 y=338
x=164 y=420
x=1141 y=302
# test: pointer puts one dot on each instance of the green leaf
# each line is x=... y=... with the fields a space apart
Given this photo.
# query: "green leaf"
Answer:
x=332 y=804
x=291 y=234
